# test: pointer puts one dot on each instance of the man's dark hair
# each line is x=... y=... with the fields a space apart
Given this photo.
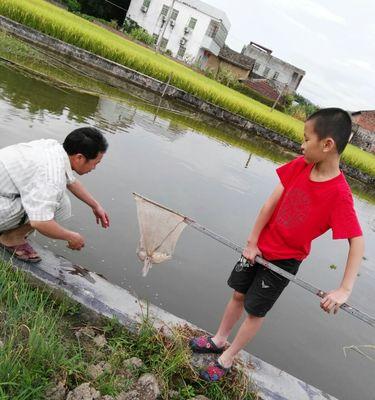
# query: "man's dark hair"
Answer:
x=335 y=123
x=87 y=141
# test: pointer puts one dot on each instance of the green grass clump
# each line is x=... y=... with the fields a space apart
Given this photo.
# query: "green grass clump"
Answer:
x=39 y=347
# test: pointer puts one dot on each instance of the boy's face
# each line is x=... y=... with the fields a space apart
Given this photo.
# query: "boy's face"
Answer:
x=313 y=148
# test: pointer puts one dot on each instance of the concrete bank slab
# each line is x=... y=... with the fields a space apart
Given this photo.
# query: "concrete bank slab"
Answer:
x=110 y=300
x=112 y=68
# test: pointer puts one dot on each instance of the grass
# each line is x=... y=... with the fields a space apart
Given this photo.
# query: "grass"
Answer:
x=72 y=29
x=39 y=348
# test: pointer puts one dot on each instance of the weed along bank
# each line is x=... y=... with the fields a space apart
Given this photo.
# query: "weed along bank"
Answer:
x=93 y=296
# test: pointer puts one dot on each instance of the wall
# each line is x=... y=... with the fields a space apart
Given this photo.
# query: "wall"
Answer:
x=216 y=63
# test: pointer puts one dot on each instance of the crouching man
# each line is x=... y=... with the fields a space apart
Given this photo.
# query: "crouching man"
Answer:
x=34 y=177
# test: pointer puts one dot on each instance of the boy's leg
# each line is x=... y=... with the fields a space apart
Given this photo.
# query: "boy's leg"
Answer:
x=245 y=334
x=232 y=314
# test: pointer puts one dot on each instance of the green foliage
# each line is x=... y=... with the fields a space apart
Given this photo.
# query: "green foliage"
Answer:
x=129 y=25
x=302 y=110
x=73 y=5
x=142 y=35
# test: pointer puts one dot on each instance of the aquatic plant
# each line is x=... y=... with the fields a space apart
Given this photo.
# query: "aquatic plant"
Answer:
x=63 y=25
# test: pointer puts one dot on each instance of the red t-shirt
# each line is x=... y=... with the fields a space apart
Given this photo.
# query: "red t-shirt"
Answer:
x=305 y=211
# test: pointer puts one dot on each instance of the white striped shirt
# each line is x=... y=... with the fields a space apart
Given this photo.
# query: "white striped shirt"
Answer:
x=37 y=173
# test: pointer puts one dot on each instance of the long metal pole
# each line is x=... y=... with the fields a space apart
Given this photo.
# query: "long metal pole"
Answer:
x=346 y=307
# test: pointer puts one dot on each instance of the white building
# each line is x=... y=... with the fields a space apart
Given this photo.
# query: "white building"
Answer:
x=194 y=30
x=270 y=67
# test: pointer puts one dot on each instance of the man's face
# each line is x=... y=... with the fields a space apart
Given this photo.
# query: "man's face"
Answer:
x=82 y=165
x=312 y=146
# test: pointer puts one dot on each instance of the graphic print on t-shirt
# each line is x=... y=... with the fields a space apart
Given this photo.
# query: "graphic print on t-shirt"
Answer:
x=294 y=209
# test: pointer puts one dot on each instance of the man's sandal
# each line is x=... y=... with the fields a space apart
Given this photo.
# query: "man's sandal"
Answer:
x=204 y=344
x=214 y=372
x=22 y=252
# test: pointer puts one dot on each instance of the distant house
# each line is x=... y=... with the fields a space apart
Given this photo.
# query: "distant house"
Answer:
x=194 y=27
x=365 y=119
x=364 y=130
x=239 y=64
x=272 y=68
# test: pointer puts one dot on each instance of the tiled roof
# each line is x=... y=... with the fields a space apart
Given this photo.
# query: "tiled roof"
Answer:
x=227 y=54
x=263 y=87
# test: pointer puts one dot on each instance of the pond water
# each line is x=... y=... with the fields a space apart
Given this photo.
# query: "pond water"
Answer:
x=187 y=166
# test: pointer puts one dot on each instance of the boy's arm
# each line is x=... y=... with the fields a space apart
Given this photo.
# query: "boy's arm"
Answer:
x=83 y=194
x=251 y=250
x=335 y=298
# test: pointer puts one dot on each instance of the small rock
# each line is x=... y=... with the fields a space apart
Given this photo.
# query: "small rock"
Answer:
x=100 y=340
x=86 y=331
x=83 y=392
x=132 y=395
x=173 y=394
x=96 y=370
x=1 y=344
x=107 y=397
x=148 y=387
x=133 y=362
x=200 y=397
x=56 y=393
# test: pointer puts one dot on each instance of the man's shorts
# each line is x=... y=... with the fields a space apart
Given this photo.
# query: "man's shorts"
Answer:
x=261 y=286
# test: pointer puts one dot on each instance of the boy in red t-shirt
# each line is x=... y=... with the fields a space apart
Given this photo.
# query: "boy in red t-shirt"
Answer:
x=312 y=197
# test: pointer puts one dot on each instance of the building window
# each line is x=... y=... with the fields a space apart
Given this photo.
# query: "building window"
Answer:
x=275 y=75
x=294 y=77
x=212 y=29
x=146 y=3
x=163 y=43
x=192 y=23
x=256 y=66
x=181 y=51
x=174 y=14
x=164 y=10
x=266 y=72
x=156 y=37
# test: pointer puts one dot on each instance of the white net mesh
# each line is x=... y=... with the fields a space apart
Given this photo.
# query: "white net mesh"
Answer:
x=160 y=229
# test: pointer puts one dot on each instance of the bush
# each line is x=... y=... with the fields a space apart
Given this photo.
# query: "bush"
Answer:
x=73 y=5
x=142 y=35
x=129 y=25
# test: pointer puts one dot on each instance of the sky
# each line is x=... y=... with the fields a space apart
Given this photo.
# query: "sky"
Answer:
x=332 y=40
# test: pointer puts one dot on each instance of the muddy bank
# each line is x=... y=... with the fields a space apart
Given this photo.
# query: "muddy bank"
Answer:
x=119 y=73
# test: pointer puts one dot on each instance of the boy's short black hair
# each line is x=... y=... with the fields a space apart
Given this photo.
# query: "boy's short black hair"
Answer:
x=87 y=141
x=335 y=123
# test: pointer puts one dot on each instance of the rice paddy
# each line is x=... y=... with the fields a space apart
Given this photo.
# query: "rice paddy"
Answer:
x=63 y=25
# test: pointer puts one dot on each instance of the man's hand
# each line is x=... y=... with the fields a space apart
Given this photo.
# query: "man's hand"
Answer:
x=334 y=299
x=101 y=216
x=76 y=241
x=251 y=251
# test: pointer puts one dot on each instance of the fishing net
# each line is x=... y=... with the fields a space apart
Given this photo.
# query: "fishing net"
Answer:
x=160 y=229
